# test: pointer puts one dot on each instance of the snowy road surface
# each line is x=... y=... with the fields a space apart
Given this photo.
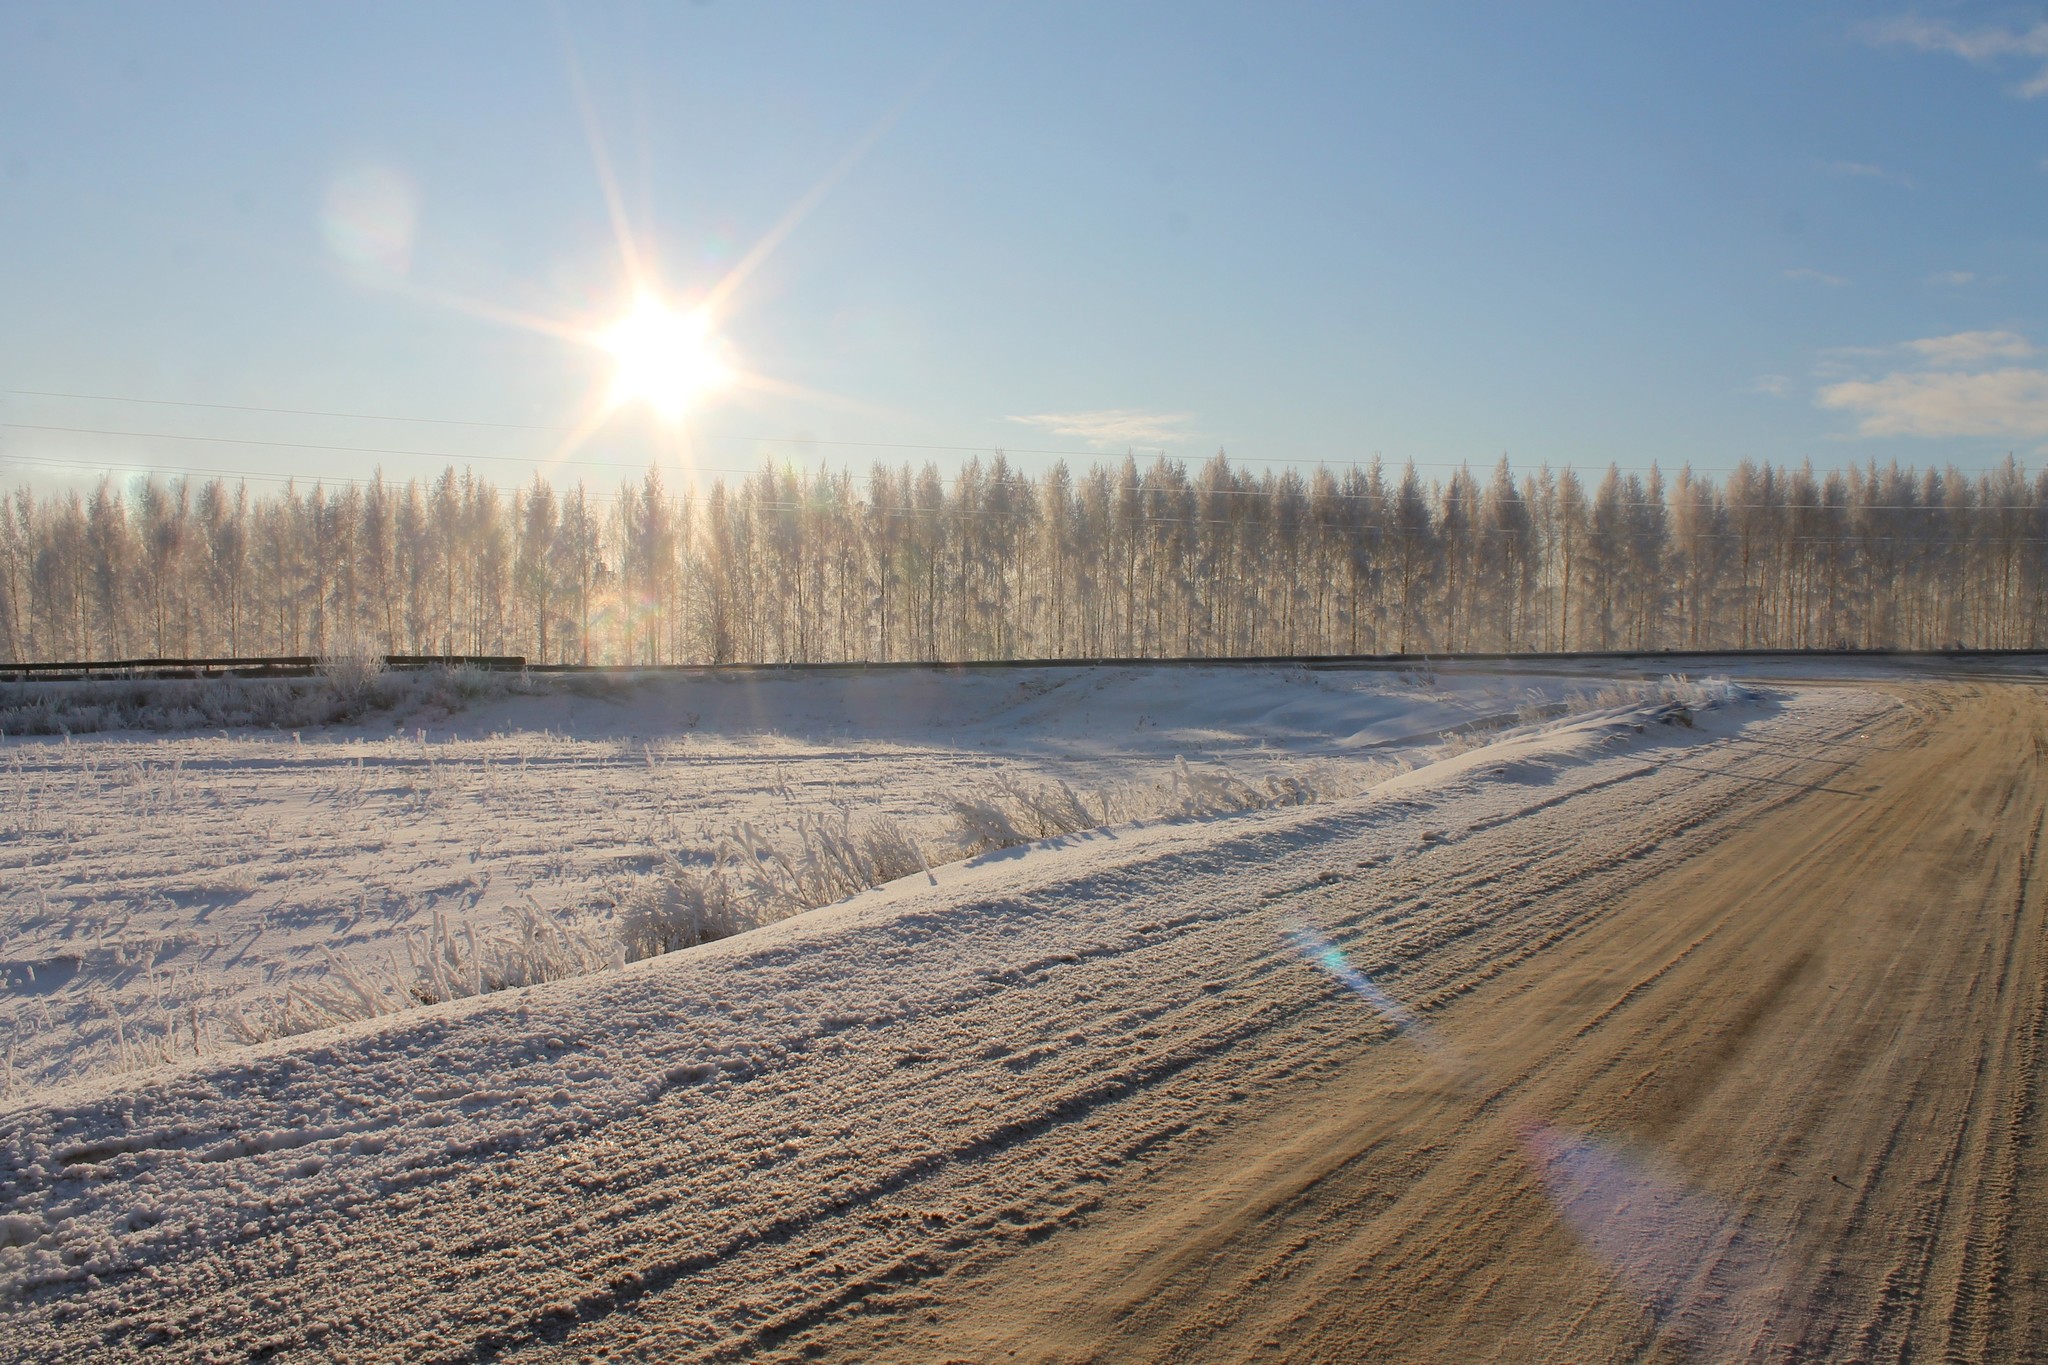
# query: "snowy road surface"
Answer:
x=789 y=1142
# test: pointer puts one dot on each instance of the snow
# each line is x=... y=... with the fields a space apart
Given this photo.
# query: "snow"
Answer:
x=160 y=894
x=704 y=1114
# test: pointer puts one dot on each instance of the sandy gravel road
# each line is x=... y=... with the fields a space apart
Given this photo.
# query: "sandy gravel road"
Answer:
x=1780 y=1100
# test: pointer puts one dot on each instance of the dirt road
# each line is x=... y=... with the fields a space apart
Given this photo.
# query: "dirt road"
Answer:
x=1780 y=1100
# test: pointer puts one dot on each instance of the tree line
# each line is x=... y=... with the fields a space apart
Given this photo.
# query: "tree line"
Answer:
x=1124 y=559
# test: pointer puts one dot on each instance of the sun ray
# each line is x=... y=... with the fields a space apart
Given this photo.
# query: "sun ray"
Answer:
x=492 y=312
x=826 y=183
x=666 y=358
x=601 y=161
x=586 y=425
x=749 y=381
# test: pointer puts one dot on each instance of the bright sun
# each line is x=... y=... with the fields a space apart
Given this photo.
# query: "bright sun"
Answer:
x=666 y=359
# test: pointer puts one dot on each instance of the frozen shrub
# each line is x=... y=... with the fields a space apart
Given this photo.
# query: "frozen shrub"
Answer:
x=983 y=825
x=1192 y=793
x=1201 y=793
x=1046 y=810
x=451 y=966
x=346 y=689
x=441 y=963
x=681 y=907
x=1007 y=812
x=833 y=858
x=352 y=677
x=1010 y=812
x=1675 y=700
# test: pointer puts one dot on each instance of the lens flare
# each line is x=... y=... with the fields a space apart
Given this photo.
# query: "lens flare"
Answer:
x=1328 y=956
x=1685 y=1254
x=368 y=216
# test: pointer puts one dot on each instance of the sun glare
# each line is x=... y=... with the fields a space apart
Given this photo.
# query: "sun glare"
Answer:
x=666 y=359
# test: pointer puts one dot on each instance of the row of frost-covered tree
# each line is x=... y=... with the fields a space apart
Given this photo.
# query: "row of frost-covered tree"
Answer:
x=1122 y=559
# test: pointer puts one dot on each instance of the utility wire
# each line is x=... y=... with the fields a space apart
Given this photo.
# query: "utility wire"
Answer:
x=285 y=412
x=1095 y=454
x=557 y=430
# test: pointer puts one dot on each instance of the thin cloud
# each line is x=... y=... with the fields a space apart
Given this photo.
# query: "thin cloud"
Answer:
x=2002 y=403
x=1867 y=170
x=1967 y=387
x=1809 y=275
x=1846 y=362
x=1112 y=427
x=1967 y=350
x=1954 y=279
x=1986 y=46
x=1776 y=385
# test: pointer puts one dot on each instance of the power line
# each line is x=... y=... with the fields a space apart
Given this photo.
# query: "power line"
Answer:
x=535 y=426
x=1021 y=479
x=822 y=442
x=259 y=476
x=286 y=412
x=299 y=445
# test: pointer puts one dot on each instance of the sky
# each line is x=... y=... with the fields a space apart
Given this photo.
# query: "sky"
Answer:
x=1569 y=233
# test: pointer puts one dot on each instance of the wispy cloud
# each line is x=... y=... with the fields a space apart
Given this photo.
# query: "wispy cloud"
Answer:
x=1809 y=275
x=2003 y=403
x=1954 y=279
x=1967 y=350
x=1967 y=386
x=1112 y=427
x=1848 y=362
x=1986 y=46
x=1870 y=170
x=1776 y=385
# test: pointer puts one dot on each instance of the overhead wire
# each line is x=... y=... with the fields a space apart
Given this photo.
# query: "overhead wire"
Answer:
x=1097 y=454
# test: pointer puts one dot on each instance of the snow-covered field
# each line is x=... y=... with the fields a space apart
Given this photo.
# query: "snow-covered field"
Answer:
x=166 y=896
x=790 y=1119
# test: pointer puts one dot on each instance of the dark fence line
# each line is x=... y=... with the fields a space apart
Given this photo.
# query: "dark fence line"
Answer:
x=1316 y=661
x=282 y=666
x=302 y=665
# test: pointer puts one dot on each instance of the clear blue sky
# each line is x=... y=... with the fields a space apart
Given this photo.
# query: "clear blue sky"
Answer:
x=1571 y=232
